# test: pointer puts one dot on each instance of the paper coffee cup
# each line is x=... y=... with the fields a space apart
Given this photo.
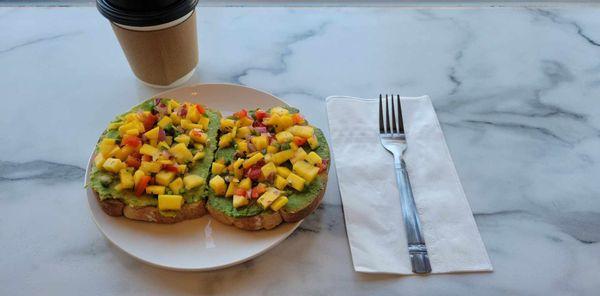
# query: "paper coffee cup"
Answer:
x=158 y=38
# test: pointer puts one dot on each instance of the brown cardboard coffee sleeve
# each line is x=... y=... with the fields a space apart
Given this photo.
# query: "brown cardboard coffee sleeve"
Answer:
x=161 y=57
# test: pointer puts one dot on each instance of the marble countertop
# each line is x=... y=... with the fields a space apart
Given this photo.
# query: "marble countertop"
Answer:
x=517 y=91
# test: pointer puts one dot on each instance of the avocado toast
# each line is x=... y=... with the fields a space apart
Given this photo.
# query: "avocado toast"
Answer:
x=152 y=162
x=271 y=166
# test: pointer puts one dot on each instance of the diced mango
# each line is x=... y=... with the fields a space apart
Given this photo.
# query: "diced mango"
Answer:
x=253 y=160
x=132 y=132
x=113 y=165
x=227 y=124
x=217 y=183
x=245 y=184
x=123 y=152
x=245 y=121
x=284 y=137
x=169 y=140
x=176 y=185
x=192 y=181
x=155 y=189
x=293 y=146
x=313 y=142
x=99 y=160
x=217 y=168
x=164 y=177
x=198 y=155
x=137 y=176
x=150 y=167
x=237 y=163
x=204 y=121
x=306 y=170
x=279 y=111
x=126 y=178
x=243 y=132
x=106 y=146
x=268 y=169
x=230 y=189
x=181 y=153
x=170 y=202
x=314 y=158
x=285 y=121
x=152 y=134
x=283 y=171
x=192 y=114
x=198 y=136
x=185 y=139
x=164 y=122
x=267 y=198
x=280 y=182
x=303 y=131
x=148 y=150
x=114 y=125
x=130 y=126
x=182 y=168
x=188 y=125
x=279 y=203
x=240 y=201
x=164 y=161
x=282 y=156
x=296 y=181
x=260 y=142
x=242 y=146
x=272 y=149
x=175 y=118
x=225 y=140
x=299 y=155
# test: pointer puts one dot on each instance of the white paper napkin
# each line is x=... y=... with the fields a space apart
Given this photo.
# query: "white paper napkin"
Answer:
x=370 y=196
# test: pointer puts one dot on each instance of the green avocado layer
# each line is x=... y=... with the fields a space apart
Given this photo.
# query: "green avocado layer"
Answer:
x=104 y=182
x=296 y=200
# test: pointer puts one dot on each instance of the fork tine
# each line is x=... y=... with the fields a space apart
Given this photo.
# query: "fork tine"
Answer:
x=381 y=130
x=394 y=128
x=387 y=116
x=400 y=121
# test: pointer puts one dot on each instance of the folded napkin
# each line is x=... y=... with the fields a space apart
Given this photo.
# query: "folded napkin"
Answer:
x=370 y=195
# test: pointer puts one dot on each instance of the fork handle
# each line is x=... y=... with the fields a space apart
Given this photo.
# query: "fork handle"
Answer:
x=416 y=244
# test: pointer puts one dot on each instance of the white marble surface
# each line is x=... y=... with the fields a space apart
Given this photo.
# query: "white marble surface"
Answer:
x=517 y=91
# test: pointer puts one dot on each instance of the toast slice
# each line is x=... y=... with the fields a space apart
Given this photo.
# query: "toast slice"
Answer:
x=137 y=155
x=273 y=197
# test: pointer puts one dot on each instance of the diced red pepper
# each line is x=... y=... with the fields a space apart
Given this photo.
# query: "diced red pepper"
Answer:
x=182 y=111
x=200 y=109
x=260 y=115
x=133 y=162
x=299 y=140
x=140 y=188
x=257 y=191
x=149 y=121
x=241 y=114
x=131 y=141
x=297 y=118
x=171 y=168
x=240 y=191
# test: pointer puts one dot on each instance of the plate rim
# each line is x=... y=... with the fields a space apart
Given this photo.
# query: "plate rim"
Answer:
x=174 y=268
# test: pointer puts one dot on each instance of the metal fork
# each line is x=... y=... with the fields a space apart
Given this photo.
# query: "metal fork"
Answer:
x=391 y=133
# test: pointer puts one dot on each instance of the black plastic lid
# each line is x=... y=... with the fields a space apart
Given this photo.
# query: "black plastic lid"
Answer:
x=144 y=13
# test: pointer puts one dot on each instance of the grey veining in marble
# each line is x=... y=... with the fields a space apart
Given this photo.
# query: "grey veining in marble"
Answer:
x=517 y=91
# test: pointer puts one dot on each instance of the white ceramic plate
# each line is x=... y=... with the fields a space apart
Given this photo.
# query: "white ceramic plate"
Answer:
x=199 y=244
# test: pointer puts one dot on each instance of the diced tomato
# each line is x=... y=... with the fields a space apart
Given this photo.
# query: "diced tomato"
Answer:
x=171 y=168
x=299 y=140
x=260 y=115
x=133 y=162
x=240 y=191
x=297 y=118
x=254 y=173
x=146 y=158
x=323 y=165
x=132 y=141
x=200 y=109
x=149 y=121
x=241 y=114
x=141 y=185
x=257 y=191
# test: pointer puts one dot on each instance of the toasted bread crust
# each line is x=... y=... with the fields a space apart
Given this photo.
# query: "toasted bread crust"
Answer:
x=116 y=208
x=270 y=220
